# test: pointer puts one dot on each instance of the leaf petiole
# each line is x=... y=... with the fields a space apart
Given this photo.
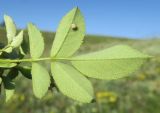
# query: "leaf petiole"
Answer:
x=31 y=60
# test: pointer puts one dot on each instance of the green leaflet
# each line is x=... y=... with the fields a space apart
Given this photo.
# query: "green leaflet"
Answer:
x=21 y=51
x=10 y=27
x=8 y=49
x=13 y=73
x=9 y=87
x=17 y=40
x=13 y=41
x=68 y=38
x=24 y=48
x=9 y=91
x=40 y=80
x=26 y=71
x=7 y=64
x=36 y=41
x=72 y=83
x=112 y=63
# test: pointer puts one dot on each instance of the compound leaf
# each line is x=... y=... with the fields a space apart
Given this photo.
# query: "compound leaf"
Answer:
x=112 y=63
x=40 y=80
x=17 y=40
x=69 y=35
x=36 y=41
x=71 y=82
x=10 y=27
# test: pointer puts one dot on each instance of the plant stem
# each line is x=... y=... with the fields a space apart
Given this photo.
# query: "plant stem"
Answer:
x=25 y=60
x=31 y=60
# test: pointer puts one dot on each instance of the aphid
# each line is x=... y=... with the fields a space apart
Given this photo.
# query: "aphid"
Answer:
x=74 y=27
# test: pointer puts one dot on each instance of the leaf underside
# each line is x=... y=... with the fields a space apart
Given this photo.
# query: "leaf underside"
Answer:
x=10 y=28
x=112 y=63
x=36 y=41
x=72 y=83
x=17 y=40
x=40 y=80
x=67 y=40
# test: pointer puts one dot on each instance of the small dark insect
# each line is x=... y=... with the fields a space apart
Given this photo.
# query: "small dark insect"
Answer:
x=74 y=27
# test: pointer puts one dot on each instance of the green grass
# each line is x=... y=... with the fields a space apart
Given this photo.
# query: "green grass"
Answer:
x=138 y=93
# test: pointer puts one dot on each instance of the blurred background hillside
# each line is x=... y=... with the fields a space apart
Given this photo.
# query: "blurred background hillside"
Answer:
x=135 y=23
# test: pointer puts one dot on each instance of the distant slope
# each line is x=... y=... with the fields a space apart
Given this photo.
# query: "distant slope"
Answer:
x=2 y=35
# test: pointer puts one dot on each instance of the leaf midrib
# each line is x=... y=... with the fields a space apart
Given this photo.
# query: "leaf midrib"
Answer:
x=85 y=59
x=67 y=33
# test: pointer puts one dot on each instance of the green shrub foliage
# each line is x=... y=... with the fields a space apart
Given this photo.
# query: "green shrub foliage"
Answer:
x=68 y=72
